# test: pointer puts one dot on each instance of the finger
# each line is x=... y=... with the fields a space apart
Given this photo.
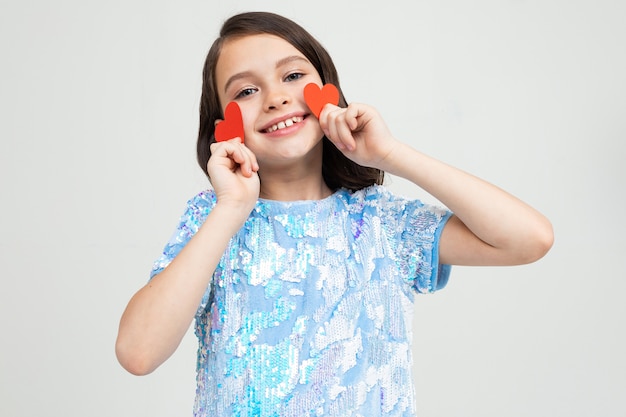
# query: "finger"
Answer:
x=346 y=122
x=340 y=131
x=330 y=129
x=232 y=154
x=326 y=120
x=323 y=117
x=352 y=116
x=244 y=157
x=255 y=163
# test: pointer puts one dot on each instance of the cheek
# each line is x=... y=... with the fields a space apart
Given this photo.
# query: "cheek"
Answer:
x=319 y=134
x=248 y=118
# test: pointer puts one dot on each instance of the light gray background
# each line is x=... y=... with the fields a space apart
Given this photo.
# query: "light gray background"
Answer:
x=98 y=110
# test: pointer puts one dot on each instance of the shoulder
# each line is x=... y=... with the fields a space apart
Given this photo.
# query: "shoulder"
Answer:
x=197 y=210
x=378 y=200
x=364 y=196
x=203 y=201
x=376 y=197
x=203 y=198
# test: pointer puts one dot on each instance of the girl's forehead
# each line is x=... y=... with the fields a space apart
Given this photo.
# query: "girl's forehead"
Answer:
x=250 y=53
x=254 y=46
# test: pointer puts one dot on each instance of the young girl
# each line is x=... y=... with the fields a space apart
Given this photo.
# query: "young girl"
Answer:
x=298 y=266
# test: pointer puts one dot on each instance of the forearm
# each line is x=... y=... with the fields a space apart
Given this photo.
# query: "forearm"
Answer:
x=517 y=232
x=159 y=314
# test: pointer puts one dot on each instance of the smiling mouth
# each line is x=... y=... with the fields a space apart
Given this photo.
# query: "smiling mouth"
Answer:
x=283 y=124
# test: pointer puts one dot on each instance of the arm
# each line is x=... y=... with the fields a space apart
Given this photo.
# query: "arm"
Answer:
x=489 y=226
x=159 y=314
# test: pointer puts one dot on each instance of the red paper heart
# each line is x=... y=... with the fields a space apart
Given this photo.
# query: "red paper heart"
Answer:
x=317 y=98
x=232 y=125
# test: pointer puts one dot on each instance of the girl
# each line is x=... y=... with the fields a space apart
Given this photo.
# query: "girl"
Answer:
x=298 y=266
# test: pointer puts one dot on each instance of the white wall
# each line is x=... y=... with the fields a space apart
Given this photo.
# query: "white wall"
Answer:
x=98 y=117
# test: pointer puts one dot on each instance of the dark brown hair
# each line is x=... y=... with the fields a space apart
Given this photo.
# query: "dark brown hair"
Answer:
x=337 y=170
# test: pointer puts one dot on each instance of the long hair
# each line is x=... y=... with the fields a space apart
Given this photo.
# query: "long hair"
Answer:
x=337 y=170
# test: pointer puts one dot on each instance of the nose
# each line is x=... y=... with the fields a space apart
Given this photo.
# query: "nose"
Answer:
x=276 y=99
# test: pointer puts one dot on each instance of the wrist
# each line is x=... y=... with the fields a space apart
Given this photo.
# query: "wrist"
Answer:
x=395 y=162
x=233 y=212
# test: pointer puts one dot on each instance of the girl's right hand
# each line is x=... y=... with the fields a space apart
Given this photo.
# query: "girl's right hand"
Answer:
x=159 y=314
x=232 y=170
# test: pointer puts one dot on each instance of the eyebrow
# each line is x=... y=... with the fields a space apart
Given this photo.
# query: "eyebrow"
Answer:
x=279 y=64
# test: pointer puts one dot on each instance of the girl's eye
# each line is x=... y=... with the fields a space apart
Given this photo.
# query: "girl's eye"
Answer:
x=245 y=92
x=293 y=76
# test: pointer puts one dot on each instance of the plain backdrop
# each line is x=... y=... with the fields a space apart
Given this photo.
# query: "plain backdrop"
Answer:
x=98 y=121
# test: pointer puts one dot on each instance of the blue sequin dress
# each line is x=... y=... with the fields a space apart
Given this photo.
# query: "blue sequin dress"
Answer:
x=309 y=311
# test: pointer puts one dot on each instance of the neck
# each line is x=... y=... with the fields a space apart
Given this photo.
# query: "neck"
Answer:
x=294 y=179
x=285 y=187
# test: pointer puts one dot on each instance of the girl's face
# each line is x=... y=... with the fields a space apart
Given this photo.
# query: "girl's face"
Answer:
x=266 y=76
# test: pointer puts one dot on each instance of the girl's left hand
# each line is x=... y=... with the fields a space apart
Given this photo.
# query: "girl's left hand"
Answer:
x=360 y=133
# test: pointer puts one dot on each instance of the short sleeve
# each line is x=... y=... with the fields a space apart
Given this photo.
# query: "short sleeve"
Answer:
x=419 y=230
x=194 y=216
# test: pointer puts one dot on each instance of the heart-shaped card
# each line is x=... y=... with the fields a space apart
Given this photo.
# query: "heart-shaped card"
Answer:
x=232 y=125
x=316 y=98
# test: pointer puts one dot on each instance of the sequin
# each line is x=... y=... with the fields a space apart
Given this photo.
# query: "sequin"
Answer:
x=309 y=311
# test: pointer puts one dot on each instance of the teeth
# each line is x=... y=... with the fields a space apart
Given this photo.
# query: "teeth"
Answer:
x=284 y=124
